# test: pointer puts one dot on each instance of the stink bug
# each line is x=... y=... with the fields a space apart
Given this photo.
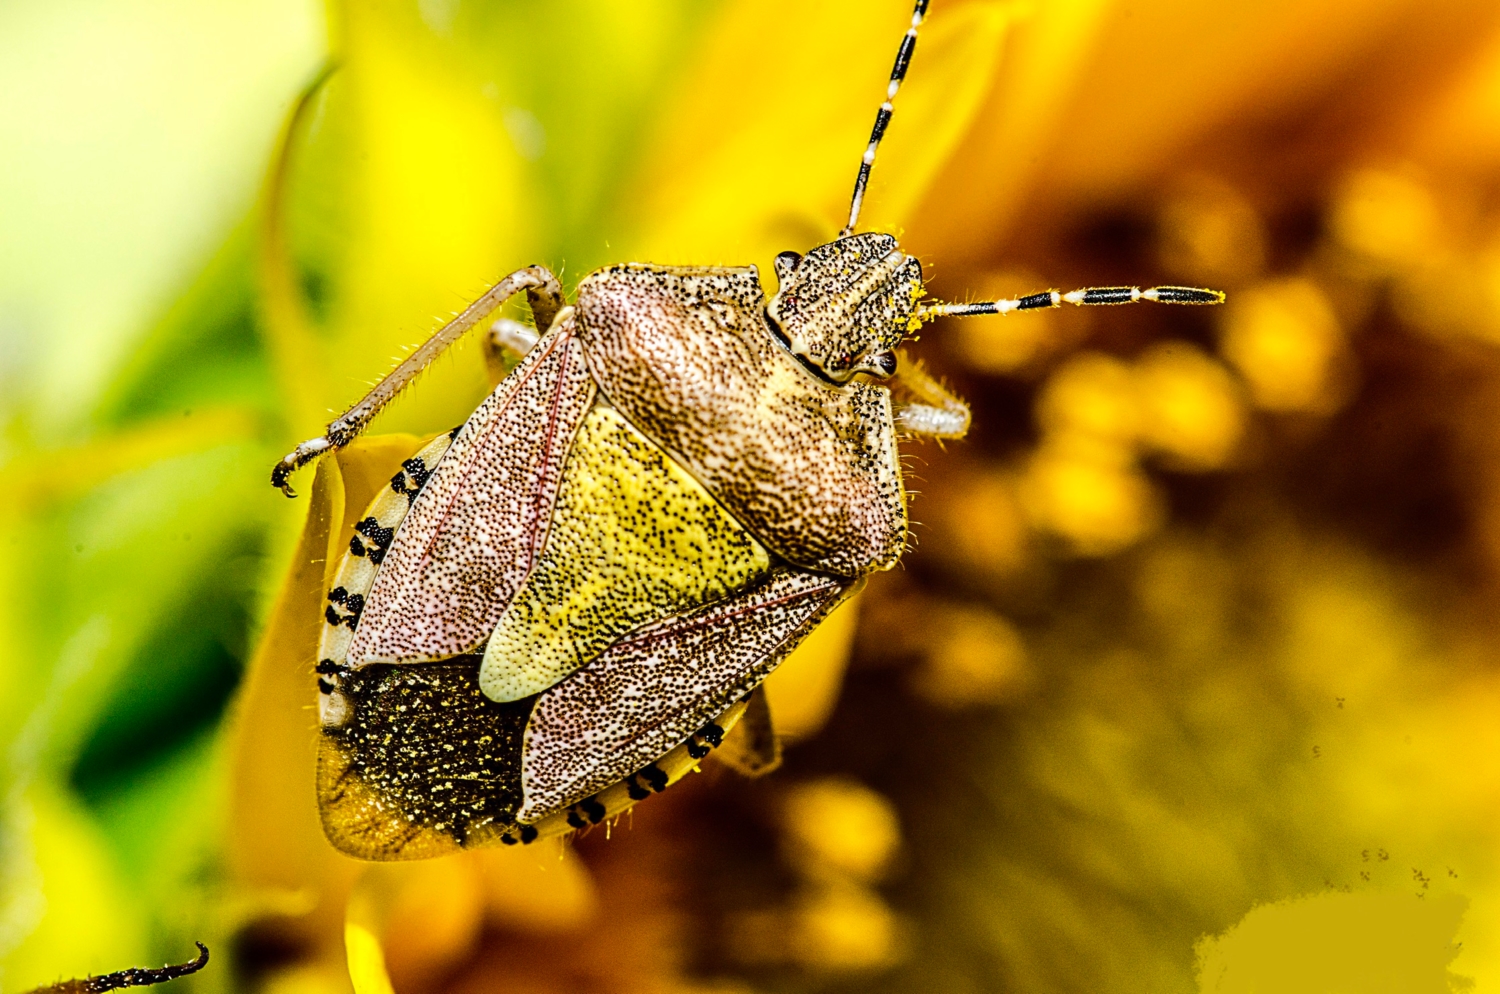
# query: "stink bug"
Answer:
x=563 y=605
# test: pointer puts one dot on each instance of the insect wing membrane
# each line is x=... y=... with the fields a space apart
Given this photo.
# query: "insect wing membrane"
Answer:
x=423 y=765
x=481 y=520
x=662 y=683
x=811 y=469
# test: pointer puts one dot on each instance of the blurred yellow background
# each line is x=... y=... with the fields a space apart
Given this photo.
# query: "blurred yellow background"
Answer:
x=1189 y=683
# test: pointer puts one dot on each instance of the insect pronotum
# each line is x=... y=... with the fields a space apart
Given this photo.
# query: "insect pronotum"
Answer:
x=561 y=606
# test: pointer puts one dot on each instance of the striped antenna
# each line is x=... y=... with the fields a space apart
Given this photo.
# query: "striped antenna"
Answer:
x=1091 y=296
x=883 y=116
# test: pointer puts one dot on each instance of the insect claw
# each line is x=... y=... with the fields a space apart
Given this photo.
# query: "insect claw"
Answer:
x=279 y=474
x=295 y=460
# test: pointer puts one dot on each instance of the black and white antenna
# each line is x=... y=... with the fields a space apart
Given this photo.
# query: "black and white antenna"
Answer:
x=1089 y=296
x=883 y=116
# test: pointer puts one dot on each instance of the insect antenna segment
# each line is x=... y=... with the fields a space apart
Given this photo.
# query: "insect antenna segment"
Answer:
x=1087 y=297
x=883 y=116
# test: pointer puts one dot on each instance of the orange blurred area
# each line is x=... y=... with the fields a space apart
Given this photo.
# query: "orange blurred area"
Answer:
x=1188 y=680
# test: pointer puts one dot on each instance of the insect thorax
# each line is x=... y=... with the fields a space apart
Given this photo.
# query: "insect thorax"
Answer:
x=809 y=466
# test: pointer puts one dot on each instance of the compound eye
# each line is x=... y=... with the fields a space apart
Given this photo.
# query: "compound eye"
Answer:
x=885 y=362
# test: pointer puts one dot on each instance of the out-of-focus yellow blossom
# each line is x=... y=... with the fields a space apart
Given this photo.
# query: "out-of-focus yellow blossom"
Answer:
x=1285 y=340
x=840 y=837
x=1211 y=233
x=842 y=927
x=1082 y=482
x=982 y=526
x=839 y=827
x=1190 y=407
x=1092 y=395
x=976 y=657
x=1389 y=216
x=1090 y=493
x=1257 y=723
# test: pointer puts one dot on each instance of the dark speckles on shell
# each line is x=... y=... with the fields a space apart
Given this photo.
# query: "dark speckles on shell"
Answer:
x=634 y=539
x=432 y=752
x=662 y=684
x=811 y=469
x=482 y=517
x=845 y=305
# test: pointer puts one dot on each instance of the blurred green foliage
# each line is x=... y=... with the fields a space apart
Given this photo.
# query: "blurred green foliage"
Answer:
x=141 y=539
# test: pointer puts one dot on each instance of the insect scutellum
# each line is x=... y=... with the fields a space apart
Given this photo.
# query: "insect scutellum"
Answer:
x=844 y=306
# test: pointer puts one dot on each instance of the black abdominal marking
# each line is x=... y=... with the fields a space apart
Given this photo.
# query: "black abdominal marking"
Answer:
x=355 y=603
x=379 y=539
x=415 y=473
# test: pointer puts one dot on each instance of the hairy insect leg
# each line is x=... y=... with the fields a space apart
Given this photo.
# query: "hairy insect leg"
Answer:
x=543 y=292
x=923 y=406
x=505 y=344
x=1086 y=297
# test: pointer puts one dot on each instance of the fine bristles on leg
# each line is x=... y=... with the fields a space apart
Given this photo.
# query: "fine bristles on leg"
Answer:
x=543 y=292
x=1087 y=297
x=883 y=116
x=923 y=406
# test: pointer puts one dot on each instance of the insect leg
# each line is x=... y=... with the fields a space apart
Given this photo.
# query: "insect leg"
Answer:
x=545 y=295
x=1089 y=296
x=138 y=977
x=923 y=406
x=505 y=344
x=752 y=747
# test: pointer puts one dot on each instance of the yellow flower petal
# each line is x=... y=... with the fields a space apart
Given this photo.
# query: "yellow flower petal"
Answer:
x=276 y=842
x=760 y=151
x=366 y=962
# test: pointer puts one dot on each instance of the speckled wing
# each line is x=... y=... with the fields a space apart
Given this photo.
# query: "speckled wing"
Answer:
x=480 y=522
x=661 y=683
x=809 y=467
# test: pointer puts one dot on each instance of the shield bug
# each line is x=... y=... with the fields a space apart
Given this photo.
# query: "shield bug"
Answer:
x=563 y=605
